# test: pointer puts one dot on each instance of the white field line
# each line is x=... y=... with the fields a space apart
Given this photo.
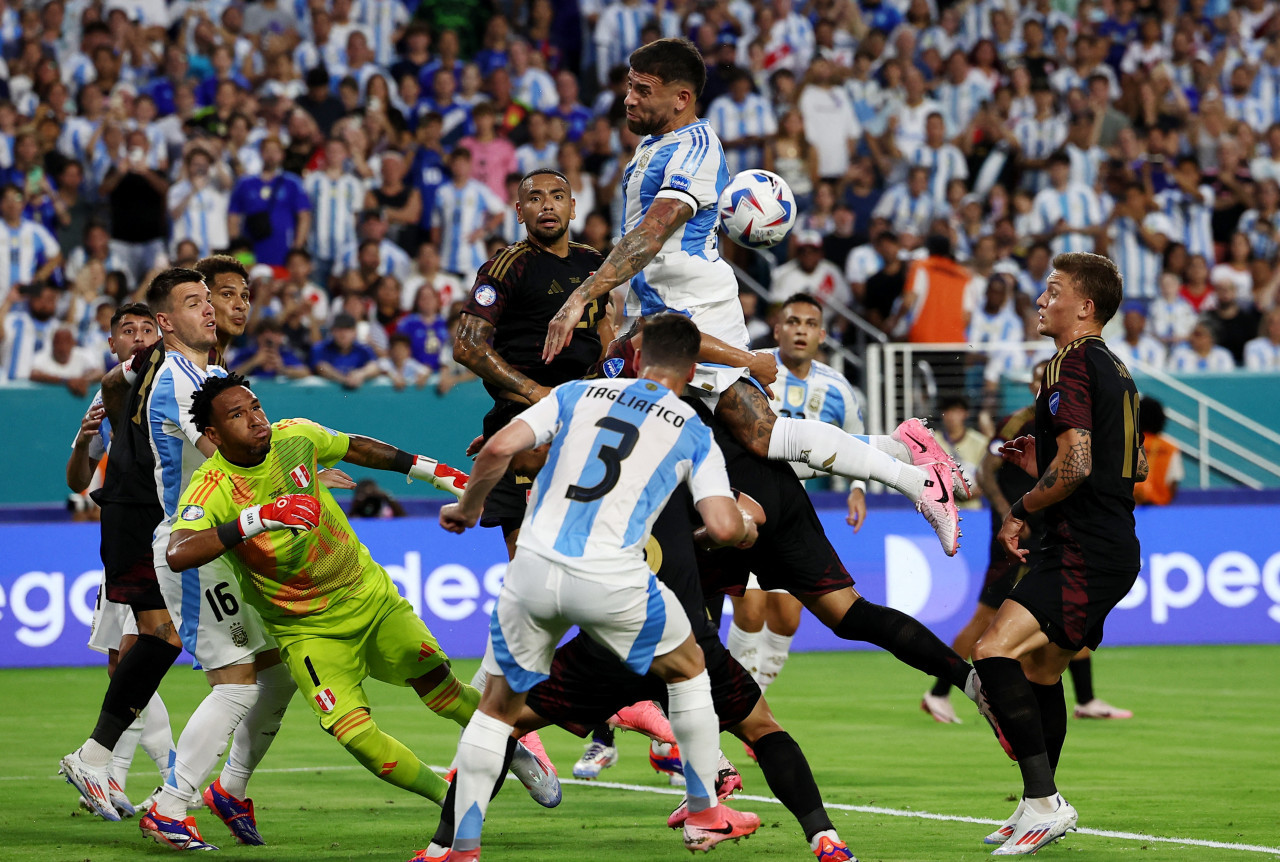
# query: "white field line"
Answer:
x=836 y=806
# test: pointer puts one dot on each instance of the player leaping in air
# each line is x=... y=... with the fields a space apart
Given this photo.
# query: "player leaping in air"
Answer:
x=333 y=611
x=669 y=257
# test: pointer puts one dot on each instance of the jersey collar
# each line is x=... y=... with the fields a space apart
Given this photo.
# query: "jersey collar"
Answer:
x=653 y=138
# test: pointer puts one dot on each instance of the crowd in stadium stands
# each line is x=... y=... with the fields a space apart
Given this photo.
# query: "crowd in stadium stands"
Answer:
x=361 y=156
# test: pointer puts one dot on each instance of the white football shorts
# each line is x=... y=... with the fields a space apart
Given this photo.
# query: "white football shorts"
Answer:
x=213 y=620
x=637 y=618
x=111 y=621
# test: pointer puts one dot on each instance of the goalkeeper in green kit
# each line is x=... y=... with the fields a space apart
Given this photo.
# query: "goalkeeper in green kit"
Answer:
x=334 y=612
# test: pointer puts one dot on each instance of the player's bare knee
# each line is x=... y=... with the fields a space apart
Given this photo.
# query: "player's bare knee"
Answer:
x=430 y=680
x=681 y=664
x=759 y=723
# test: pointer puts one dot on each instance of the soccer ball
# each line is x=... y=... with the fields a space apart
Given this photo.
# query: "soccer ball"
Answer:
x=757 y=209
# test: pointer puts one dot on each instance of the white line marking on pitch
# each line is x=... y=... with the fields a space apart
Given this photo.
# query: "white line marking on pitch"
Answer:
x=860 y=809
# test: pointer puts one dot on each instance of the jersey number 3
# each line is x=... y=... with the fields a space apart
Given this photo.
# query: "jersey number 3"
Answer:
x=612 y=458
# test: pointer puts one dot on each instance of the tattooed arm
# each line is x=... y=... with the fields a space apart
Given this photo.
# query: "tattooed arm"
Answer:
x=632 y=253
x=472 y=349
x=1143 y=467
x=1065 y=473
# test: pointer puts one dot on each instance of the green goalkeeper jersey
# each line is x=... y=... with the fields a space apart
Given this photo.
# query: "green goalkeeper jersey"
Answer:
x=298 y=581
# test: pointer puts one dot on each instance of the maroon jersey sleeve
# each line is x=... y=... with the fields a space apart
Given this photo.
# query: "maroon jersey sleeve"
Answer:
x=1070 y=393
x=490 y=293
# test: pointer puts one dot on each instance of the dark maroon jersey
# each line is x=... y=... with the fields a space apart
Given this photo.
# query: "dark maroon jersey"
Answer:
x=1085 y=386
x=519 y=290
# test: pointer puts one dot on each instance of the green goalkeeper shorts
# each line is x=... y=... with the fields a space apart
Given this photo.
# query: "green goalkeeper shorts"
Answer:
x=330 y=671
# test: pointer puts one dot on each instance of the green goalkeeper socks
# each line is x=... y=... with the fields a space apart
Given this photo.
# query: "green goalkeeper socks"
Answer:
x=387 y=757
x=453 y=699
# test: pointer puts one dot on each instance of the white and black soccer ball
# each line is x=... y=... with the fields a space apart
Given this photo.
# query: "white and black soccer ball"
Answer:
x=757 y=209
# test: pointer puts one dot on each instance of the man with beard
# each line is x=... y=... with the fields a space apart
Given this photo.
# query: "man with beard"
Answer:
x=504 y=323
x=669 y=257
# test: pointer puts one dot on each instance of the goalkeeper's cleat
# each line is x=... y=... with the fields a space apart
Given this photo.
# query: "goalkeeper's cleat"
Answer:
x=178 y=834
x=728 y=781
x=92 y=782
x=832 y=850
x=236 y=813
x=984 y=709
x=644 y=717
x=1036 y=830
x=447 y=854
x=1100 y=709
x=1002 y=834
x=938 y=505
x=537 y=777
x=707 y=828
x=940 y=708
x=597 y=758
x=665 y=757
x=925 y=449
x=533 y=742
x=121 y=802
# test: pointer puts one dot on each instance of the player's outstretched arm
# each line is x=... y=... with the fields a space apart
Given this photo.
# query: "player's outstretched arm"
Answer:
x=491 y=464
x=367 y=452
x=190 y=549
x=471 y=348
x=632 y=254
x=724 y=522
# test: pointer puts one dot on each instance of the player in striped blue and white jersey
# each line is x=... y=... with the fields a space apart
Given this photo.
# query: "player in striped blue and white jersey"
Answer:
x=944 y=161
x=618 y=450
x=742 y=120
x=336 y=198
x=1189 y=205
x=466 y=211
x=669 y=256
x=1138 y=237
x=1066 y=214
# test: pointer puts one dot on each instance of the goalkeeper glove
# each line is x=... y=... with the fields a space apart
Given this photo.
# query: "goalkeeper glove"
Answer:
x=290 y=512
x=440 y=475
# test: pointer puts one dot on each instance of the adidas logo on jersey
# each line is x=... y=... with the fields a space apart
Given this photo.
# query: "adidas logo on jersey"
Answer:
x=555 y=288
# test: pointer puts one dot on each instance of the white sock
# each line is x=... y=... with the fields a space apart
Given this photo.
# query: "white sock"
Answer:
x=825 y=833
x=971 y=684
x=774 y=651
x=479 y=681
x=157 y=736
x=254 y=735
x=95 y=753
x=887 y=445
x=202 y=743
x=122 y=754
x=826 y=447
x=1043 y=805
x=745 y=647
x=697 y=730
x=480 y=755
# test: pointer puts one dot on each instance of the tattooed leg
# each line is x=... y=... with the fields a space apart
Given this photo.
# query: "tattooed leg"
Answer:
x=746 y=412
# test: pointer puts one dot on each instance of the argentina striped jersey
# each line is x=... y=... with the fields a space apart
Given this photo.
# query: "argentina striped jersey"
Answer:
x=618 y=450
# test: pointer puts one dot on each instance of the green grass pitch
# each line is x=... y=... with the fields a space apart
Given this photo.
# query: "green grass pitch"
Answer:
x=1199 y=761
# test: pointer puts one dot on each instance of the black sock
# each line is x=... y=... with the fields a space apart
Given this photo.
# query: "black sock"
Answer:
x=444 y=829
x=1053 y=718
x=787 y=772
x=603 y=734
x=1082 y=679
x=941 y=688
x=905 y=637
x=136 y=679
x=1015 y=707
